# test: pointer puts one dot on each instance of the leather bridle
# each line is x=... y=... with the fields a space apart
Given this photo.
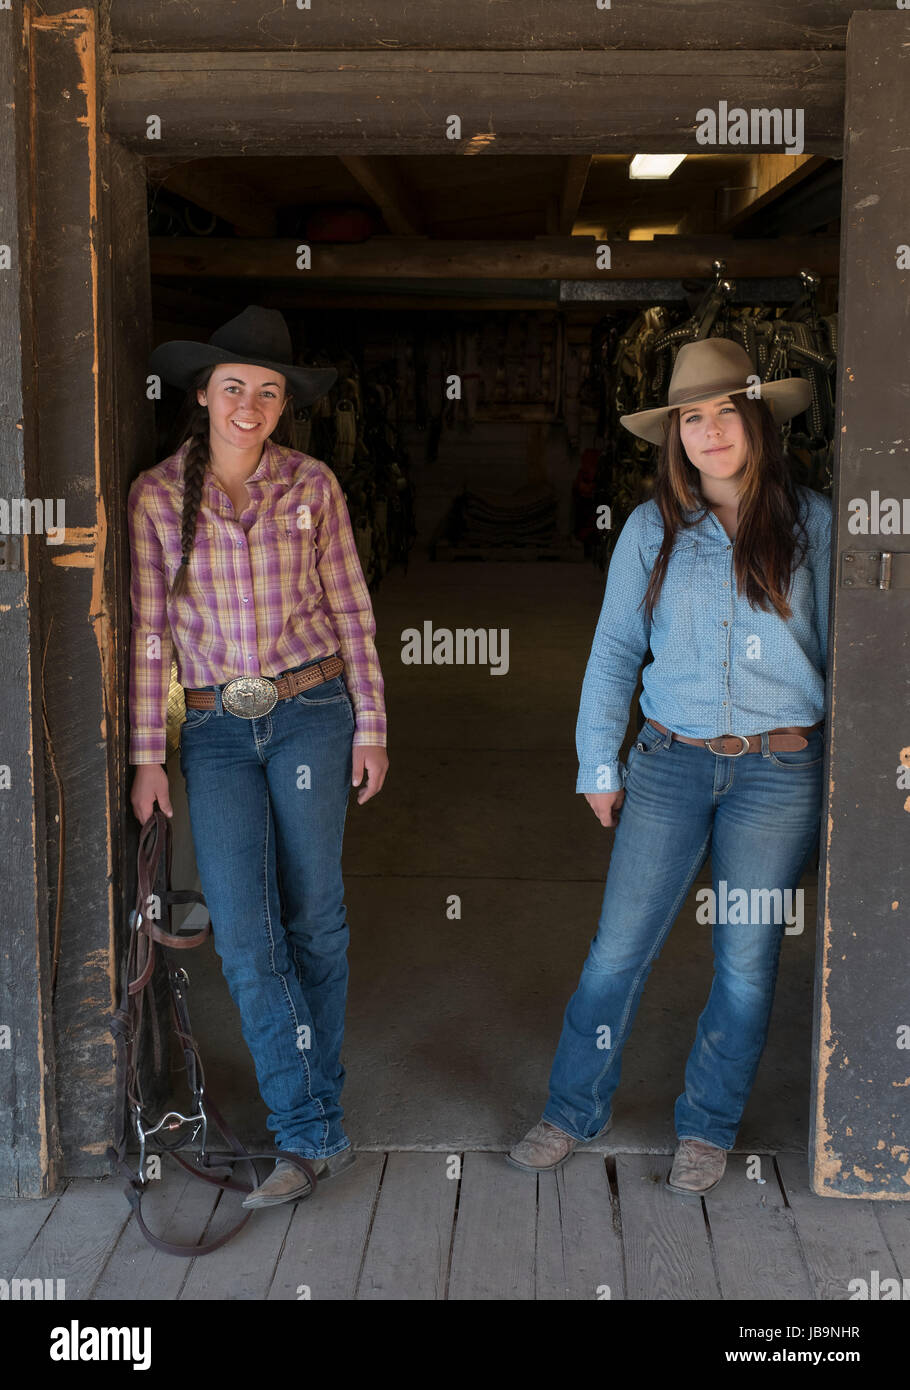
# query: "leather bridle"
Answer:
x=149 y=926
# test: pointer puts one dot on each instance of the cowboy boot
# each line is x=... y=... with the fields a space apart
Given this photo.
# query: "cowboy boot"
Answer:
x=286 y=1183
x=697 y=1167
x=546 y=1148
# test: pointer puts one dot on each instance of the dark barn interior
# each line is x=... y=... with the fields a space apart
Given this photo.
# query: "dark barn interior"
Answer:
x=481 y=511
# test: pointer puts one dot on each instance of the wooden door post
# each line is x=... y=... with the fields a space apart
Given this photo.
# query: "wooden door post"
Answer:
x=75 y=435
x=29 y=1157
x=860 y=1132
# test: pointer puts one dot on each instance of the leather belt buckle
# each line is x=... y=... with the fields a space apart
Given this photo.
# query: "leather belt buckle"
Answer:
x=742 y=738
x=249 y=697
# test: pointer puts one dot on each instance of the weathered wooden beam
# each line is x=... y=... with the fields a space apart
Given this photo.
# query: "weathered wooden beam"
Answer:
x=574 y=179
x=29 y=1149
x=176 y=312
x=564 y=258
x=394 y=103
x=381 y=180
x=78 y=681
x=812 y=208
x=128 y=440
x=478 y=24
x=227 y=196
x=358 y=296
x=859 y=1142
x=766 y=178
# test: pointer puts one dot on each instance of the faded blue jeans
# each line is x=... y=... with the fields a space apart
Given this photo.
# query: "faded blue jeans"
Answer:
x=759 y=816
x=268 y=799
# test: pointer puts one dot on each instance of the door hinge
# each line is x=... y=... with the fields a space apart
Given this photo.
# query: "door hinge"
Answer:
x=10 y=553
x=875 y=569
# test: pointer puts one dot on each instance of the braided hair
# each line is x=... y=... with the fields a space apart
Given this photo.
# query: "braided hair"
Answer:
x=193 y=425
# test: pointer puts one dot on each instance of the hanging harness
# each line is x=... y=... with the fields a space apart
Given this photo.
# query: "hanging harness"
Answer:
x=149 y=925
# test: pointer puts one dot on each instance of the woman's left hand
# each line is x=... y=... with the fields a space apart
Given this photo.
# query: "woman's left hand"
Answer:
x=373 y=759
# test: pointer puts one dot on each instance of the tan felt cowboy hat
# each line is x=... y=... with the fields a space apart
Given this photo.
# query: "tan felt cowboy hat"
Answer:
x=715 y=367
x=258 y=336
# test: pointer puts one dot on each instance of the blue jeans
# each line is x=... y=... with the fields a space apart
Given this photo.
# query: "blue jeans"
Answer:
x=759 y=817
x=268 y=799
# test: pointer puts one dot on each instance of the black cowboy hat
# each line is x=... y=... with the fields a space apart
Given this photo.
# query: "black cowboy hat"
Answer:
x=258 y=336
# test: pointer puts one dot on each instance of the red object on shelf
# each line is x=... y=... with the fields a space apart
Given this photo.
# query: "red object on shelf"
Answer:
x=339 y=224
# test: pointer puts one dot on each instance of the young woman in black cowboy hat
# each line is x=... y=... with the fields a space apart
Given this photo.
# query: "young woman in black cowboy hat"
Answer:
x=724 y=575
x=244 y=567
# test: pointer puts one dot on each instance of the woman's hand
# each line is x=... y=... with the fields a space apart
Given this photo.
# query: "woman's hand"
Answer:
x=605 y=806
x=373 y=758
x=150 y=784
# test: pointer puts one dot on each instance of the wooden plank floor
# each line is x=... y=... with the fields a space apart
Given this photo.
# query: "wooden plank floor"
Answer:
x=432 y=1226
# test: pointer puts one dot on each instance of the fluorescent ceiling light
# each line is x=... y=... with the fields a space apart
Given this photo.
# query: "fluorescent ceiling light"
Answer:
x=654 y=166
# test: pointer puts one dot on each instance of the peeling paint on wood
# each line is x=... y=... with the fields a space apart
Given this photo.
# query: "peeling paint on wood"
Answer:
x=858 y=1135
x=69 y=310
x=29 y=1157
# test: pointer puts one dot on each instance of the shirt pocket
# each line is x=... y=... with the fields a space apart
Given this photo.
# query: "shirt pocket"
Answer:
x=675 y=605
x=294 y=548
x=203 y=552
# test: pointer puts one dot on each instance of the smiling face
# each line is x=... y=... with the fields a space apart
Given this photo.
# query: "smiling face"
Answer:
x=713 y=437
x=244 y=404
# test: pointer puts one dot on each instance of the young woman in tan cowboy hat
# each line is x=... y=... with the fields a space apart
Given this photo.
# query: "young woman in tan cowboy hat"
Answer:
x=244 y=566
x=724 y=575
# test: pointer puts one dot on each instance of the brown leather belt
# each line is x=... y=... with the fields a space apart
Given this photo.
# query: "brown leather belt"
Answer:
x=783 y=740
x=250 y=697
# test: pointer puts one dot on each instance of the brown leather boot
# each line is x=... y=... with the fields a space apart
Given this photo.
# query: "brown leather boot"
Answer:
x=545 y=1148
x=697 y=1167
x=286 y=1183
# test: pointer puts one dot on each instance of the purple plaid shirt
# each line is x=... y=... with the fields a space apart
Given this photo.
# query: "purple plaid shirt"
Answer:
x=280 y=585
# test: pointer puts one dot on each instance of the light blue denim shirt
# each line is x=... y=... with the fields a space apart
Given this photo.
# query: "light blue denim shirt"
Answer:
x=719 y=665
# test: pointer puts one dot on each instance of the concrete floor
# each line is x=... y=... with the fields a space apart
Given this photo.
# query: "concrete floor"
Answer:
x=452 y=1025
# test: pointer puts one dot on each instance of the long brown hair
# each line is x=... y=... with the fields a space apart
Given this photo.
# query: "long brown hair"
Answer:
x=763 y=555
x=193 y=424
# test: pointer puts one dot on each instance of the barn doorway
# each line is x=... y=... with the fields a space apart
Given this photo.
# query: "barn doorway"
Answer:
x=481 y=511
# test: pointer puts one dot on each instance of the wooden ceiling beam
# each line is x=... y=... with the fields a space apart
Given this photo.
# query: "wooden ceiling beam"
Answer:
x=564 y=258
x=150 y=25
x=226 y=195
x=575 y=176
x=381 y=180
x=767 y=177
x=391 y=103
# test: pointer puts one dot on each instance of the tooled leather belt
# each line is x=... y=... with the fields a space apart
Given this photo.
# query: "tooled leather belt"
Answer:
x=249 y=697
x=783 y=740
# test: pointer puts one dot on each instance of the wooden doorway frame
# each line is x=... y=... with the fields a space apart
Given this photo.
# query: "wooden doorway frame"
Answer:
x=82 y=203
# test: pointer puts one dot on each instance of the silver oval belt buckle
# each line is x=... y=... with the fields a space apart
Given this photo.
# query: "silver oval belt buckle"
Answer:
x=249 y=697
x=742 y=738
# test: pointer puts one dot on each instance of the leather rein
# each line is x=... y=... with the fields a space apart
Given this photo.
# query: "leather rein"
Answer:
x=149 y=928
